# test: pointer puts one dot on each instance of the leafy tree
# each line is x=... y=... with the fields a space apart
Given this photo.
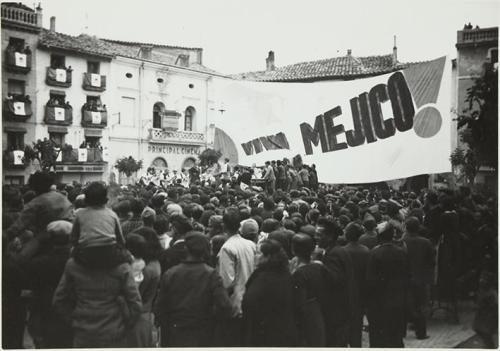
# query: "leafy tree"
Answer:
x=128 y=165
x=478 y=126
x=209 y=156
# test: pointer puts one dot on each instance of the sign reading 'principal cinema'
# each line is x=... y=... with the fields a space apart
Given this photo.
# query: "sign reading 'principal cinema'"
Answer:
x=174 y=149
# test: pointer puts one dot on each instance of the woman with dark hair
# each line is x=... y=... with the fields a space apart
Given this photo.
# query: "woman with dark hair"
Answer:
x=268 y=308
x=143 y=244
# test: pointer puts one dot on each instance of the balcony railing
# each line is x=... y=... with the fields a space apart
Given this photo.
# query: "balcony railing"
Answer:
x=94 y=82
x=17 y=110
x=62 y=116
x=20 y=16
x=473 y=36
x=17 y=61
x=94 y=155
x=14 y=159
x=59 y=77
x=181 y=137
x=94 y=119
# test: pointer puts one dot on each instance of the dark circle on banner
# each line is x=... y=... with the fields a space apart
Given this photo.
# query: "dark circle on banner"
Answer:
x=427 y=122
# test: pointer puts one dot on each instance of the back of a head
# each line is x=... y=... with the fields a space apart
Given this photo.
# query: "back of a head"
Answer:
x=278 y=214
x=370 y=224
x=412 y=225
x=268 y=204
x=197 y=245
x=217 y=242
x=11 y=198
x=136 y=206
x=174 y=209
x=122 y=208
x=331 y=228
x=283 y=238
x=274 y=254
x=353 y=231
x=41 y=182
x=231 y=220
x=386 y=232
x=290 y=225
x=181 y=224
x=249 y=229
x=269 y=225
x=302 y=246
x=161 y=224
x=96 y=194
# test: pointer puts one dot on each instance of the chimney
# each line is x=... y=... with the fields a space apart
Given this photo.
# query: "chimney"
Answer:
x=270 y=61
x=53 y=23
x=39 y=15
x=349 y=52
x=395 y=53
x=146 y=51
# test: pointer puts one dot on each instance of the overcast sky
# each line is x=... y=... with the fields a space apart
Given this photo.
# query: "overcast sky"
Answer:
x=237 y=35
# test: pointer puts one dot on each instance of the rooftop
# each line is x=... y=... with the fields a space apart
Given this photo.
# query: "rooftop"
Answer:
x=344 y=67
x=106 y=48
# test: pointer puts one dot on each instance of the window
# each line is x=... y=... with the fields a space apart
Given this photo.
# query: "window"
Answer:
x=16 y=87
x=14 y=180
x=93 y=67
x=57 y=61
x=57 y=98
x=93 y=141
x=158 y=110
x=188 y=119
x=16 y=43
x=127 y=111
x=15 y=141
x=494 y=56
x=57 y=138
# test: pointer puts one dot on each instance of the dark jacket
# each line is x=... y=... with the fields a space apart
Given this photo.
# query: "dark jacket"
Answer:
x=421 y=257
x=173 y=255
x=99 y=303
x=191 y=296
x=311 y=284
x=387 y=281
x=268 y=309
x=339 y=264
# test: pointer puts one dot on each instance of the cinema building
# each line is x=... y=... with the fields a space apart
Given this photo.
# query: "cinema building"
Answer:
x=100 y=100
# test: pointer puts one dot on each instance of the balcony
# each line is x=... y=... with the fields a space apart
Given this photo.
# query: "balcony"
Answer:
x=17 y=61
x=471 y=37
x=94 y=119
x=21 y=17
x=94 y=82
x=17 y=109
x=59 y=77
x=93 y=155
x=14 y=159
x=58 y=115
x=157 y=135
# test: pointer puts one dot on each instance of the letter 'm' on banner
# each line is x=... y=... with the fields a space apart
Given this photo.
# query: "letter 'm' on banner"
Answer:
x=401 y=101
x=383 y=129
x=314 y=136
x=332 y=130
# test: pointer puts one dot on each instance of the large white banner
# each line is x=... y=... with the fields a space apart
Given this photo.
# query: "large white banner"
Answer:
x=366 y=130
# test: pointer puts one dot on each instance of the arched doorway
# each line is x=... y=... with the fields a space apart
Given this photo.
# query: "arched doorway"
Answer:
x=158 y=111
x=159 y=163
x=188 y=163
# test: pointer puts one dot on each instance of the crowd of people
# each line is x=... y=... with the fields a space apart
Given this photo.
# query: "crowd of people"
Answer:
x=240 y=257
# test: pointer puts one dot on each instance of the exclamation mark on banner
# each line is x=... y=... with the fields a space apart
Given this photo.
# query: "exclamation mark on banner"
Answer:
x=424 y=81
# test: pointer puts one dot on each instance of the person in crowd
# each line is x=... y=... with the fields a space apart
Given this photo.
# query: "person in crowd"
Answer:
x=215 y=226
x=270 y=178
x=97 y=236
x=280 y=176
x=338 y=261
x=369 y=238
x=143 y=244
x=236 y=262
x=304 y=176
x=421 y=259
x=312 y=287
x=100 y=304
x=48 y=206
x=359 y=256
x=174 y=255
x=190 y=298
x=268 y=304
x=387 y=279
x=137 y=207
